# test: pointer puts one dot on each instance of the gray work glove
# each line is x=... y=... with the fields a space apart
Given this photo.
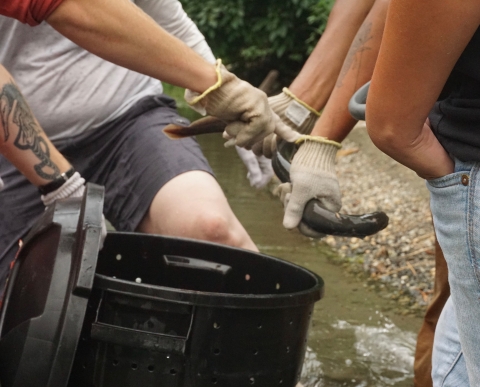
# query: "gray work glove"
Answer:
x=245 y=109
x=1 y=184
x=312 y=176
x=74 y=187
x=260 y=170
x=293 y=112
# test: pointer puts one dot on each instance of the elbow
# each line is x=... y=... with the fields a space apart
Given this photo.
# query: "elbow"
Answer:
x=382 y=132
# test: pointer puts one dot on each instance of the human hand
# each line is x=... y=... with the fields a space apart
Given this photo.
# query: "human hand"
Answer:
x=74 y=187
x=266 y=147
x=294 y=113
x=312 y=176
x=1 y=184
x=436 y=170
x=260 y=170
x=243 y=107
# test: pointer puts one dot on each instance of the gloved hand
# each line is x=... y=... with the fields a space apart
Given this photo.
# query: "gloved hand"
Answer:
x=1 y=184
x=245 y=109
x=312 y=176
x=260 y=170
x=74 y=187
x=293 y=112
x=266 y=147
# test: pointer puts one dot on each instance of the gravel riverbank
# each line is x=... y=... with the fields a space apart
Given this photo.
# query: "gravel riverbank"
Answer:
x=400 y=259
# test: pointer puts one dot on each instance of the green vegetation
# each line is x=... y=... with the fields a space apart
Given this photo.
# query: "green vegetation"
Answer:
x=256 y=36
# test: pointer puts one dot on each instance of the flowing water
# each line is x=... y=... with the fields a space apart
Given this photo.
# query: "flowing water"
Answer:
x=355 y=339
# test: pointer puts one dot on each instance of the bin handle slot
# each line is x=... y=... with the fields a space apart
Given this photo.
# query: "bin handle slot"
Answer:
x=195 y=263
x=138 y=339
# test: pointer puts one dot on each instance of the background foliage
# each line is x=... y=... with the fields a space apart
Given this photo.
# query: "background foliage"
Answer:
x=256 y=36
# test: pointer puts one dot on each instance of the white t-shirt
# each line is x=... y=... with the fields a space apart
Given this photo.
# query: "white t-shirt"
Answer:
x=70 y=90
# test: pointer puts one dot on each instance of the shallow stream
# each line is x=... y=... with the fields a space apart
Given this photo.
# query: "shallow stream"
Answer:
x=356 y=339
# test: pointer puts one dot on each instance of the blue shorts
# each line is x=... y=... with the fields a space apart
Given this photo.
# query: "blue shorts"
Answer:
x=130 y=156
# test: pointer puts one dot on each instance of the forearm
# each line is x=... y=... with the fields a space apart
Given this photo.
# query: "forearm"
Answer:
x=22 y=140
x=416 y=56
x=170 y=15
x=417 y=149
x=122 y=33
x=317 y=78
x=336 y=121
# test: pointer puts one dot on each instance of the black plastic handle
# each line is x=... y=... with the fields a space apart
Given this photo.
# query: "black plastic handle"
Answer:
x=327 y=222
x=138 y=339
x=358 y=102
x=196 y=264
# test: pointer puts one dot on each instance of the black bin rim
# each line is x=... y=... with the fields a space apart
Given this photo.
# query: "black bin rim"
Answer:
x=223 y=300
x=313 y=292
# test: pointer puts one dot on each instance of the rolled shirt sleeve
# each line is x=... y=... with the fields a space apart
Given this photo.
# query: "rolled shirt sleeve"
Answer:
x=31 y=12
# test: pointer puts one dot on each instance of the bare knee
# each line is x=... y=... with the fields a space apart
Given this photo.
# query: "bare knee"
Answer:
x=205 y=215
x=215 y=227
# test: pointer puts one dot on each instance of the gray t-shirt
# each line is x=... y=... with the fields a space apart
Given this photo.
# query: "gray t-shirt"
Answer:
x=70 y=90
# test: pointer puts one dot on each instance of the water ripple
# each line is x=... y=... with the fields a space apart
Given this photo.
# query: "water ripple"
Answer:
x=384 y=357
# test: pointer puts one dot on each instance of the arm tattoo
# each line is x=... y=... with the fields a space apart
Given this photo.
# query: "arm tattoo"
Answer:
x=15 y=113
x=358 y=47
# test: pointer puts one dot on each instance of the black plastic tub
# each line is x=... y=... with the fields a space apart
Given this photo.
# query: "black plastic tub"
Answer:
x=48 y=292
x=147 y=310
x=177 y=312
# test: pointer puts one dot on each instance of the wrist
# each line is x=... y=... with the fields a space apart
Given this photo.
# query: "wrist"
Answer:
x=208 y=78
x=317 y=154
x=304 y=104
x=73 y=187
x=57 y=183
x=313 y=92
x=293 y=111
x=212 y=81
x=442 y=169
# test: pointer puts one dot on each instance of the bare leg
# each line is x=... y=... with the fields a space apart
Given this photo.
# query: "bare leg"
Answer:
x=193 y=205
x=336 y=121
x=317 y=78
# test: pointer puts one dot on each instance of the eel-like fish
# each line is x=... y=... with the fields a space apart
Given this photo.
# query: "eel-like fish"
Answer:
x=318 y=218
x=203 y=125
x=314 y=216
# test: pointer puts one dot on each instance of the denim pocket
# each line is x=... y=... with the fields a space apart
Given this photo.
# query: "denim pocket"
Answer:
x=452 y=179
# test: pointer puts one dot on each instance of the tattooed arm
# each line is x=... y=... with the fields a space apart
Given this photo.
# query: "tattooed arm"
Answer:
x=336 y=122
x=312 y=171
x=315 y=82
x=22 y=140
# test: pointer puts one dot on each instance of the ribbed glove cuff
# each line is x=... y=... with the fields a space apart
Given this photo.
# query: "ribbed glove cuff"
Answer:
x=72 y=188
x=194 y=98
x=293 y=111
x=317 y=155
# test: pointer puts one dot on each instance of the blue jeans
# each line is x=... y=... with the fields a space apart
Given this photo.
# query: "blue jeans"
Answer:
x=455 y=204
x=448 y=362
